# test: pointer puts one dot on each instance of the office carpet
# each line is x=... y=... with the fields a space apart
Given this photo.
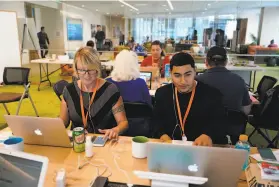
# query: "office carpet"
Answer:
x=48 y=105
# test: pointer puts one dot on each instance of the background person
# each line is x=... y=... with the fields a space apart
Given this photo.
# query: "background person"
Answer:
x=126 y=76
x=43 y=41
x=272 y=44
x=92 y=102
x=100 y=37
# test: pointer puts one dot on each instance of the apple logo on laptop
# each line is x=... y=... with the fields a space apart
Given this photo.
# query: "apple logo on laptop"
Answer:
x=193 y=168
x=38 y=132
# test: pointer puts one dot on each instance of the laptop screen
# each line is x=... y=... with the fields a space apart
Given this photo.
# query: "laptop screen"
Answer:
x=146 y=76
x=17 y=171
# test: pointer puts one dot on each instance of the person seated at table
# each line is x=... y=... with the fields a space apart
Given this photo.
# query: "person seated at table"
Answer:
x=188 y=109
x=272 y=44
x=126 y=76
x=92 y=102
x=157 y=58
x=90 y=43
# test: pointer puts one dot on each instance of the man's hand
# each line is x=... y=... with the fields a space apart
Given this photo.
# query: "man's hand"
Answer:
x=165 y=138
x=203 y=140
x=110 y=133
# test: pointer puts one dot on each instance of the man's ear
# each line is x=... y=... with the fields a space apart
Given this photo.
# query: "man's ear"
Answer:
x=206 y=63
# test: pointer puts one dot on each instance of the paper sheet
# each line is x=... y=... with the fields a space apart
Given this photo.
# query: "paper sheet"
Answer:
x=259 y=158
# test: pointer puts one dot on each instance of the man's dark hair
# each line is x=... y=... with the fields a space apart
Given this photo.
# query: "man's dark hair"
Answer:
x=98 y=25
x=90 y=43
x=42 y=28
x=217 y=56
x=181 y=59
x=157 y=42
x=272 y=41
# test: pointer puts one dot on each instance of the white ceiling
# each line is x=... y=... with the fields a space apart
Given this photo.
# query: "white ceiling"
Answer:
x=161 y=7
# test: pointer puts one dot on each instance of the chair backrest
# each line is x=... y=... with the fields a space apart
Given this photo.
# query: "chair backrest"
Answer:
x=16 y=76
x=269 y=109
x=265 y=84
x=139 y=117
x=58 y=88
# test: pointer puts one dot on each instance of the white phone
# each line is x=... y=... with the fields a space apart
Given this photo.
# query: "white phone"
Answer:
x=100 y=141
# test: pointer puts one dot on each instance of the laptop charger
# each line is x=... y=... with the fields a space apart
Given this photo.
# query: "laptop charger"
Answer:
x=61 y=178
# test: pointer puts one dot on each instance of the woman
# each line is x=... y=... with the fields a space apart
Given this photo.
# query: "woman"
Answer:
x=126 y=76
x=92 y=102
x=157 y=58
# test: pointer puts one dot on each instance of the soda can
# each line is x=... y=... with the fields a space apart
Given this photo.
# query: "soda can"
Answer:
x=79 y=139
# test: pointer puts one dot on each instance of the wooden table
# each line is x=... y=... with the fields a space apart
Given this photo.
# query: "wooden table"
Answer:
x=117 y=156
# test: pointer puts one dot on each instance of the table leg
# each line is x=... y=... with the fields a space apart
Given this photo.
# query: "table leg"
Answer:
x=40 y=67
x=254 y=81
x=47 y=75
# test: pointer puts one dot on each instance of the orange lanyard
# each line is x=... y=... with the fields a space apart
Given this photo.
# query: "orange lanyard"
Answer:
x=84 y=118
x=182 y=123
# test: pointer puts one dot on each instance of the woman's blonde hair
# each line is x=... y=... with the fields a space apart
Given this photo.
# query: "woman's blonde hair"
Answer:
x=126 y=66
x=87 y=56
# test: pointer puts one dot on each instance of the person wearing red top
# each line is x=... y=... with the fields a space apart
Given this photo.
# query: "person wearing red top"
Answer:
x=272 y=44
x=157 y=58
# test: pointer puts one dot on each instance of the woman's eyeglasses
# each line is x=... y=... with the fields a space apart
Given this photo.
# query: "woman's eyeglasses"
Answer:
x=90 y=72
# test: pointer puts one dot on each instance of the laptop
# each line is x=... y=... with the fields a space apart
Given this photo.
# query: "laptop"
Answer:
x=154 y=71
x=222 y=166
x=146 y=76
x=39 y=130
x=22 y=169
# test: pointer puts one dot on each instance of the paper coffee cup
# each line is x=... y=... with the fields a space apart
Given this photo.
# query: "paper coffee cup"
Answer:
x=14 y=143
x=139 y=146
x=53 y=56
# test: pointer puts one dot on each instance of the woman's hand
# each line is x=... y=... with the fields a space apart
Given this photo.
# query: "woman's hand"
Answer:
x=110 y=133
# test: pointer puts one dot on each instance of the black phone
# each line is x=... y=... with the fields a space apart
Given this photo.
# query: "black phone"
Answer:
x=100 y=182
x=267 y=154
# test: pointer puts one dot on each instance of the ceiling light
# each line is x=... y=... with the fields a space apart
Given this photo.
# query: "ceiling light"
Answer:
x=170 y=4
x=164 y=5
x=122 y=5
x=169 y=12
x=208 y=4
x=167 y=9
x=107 y=13
x=82 y=6
x=97 y=10
x=137 y=12
x=205 y=9
x=202 y=12
x=127 y=4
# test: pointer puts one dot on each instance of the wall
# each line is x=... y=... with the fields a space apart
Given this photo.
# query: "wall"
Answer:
x=87 y=18
x=270 y=26
x=253 y=17
x=17 y=6
x=114 y=21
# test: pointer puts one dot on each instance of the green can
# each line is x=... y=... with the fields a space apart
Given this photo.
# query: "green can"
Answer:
x=79 y=139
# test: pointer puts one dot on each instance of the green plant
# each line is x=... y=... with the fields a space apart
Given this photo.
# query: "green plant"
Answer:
x=254 y=39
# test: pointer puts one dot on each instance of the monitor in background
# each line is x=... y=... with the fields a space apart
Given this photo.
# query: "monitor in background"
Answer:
x=147 y=77
x=22 y=169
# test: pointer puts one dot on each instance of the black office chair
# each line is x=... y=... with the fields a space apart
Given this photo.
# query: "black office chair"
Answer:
x=236 y=124
x=267 y=117
x=139 y=116
x=58 y=88
x=264 y=85
x=16 y=76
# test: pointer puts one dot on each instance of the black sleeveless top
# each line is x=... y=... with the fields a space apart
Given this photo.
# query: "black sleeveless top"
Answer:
x=100 y=115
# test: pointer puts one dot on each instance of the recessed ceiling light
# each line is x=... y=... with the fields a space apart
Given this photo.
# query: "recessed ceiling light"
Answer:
x=167 y=9
x=208 y=4
x=97 y=10
x=107 y=13
x=137 y=12
x=202 y=12
x=164 y=5
x=122 y=5
x=82 y=6
x=205 y=9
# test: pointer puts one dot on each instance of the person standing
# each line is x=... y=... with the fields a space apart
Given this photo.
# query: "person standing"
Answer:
x=43 y=41
x=100 y=36
x=121 y=38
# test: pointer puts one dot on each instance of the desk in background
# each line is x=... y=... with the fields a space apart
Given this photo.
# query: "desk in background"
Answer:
x=46 y=62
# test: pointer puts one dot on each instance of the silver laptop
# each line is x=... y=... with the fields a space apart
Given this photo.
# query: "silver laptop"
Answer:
x=222 y=166
x=22 y=169
x=39 y=130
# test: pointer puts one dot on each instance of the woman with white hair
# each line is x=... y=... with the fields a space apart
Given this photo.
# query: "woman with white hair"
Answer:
x=126 y=76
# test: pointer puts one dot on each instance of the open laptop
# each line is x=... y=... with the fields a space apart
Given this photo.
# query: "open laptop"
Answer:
x=154 y=71
x=39 y=130
x=222 y=166
x=22 y=169
x=146 y=76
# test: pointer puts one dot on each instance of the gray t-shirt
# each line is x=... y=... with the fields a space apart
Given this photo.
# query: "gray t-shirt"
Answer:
x=232 y=86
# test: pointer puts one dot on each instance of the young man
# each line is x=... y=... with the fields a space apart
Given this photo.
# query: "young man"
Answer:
x=100 y=36
x=157 y=58
x=232 y=86
x=187 y=109
x=43 y=41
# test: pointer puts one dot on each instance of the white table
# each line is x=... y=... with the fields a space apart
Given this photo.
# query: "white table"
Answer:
x=46 y=62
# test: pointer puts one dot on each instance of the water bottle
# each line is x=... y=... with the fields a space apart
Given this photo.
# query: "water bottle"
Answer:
x=243 y=144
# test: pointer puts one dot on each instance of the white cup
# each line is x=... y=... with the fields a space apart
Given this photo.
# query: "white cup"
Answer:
x=139 y=146
x=14 y=143
x=53 y=56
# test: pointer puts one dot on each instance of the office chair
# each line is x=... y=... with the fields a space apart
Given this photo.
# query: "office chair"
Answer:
x=264 y=85
x=16 y=76
x=58 y=88
x=139 y=116
x=267 y=117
